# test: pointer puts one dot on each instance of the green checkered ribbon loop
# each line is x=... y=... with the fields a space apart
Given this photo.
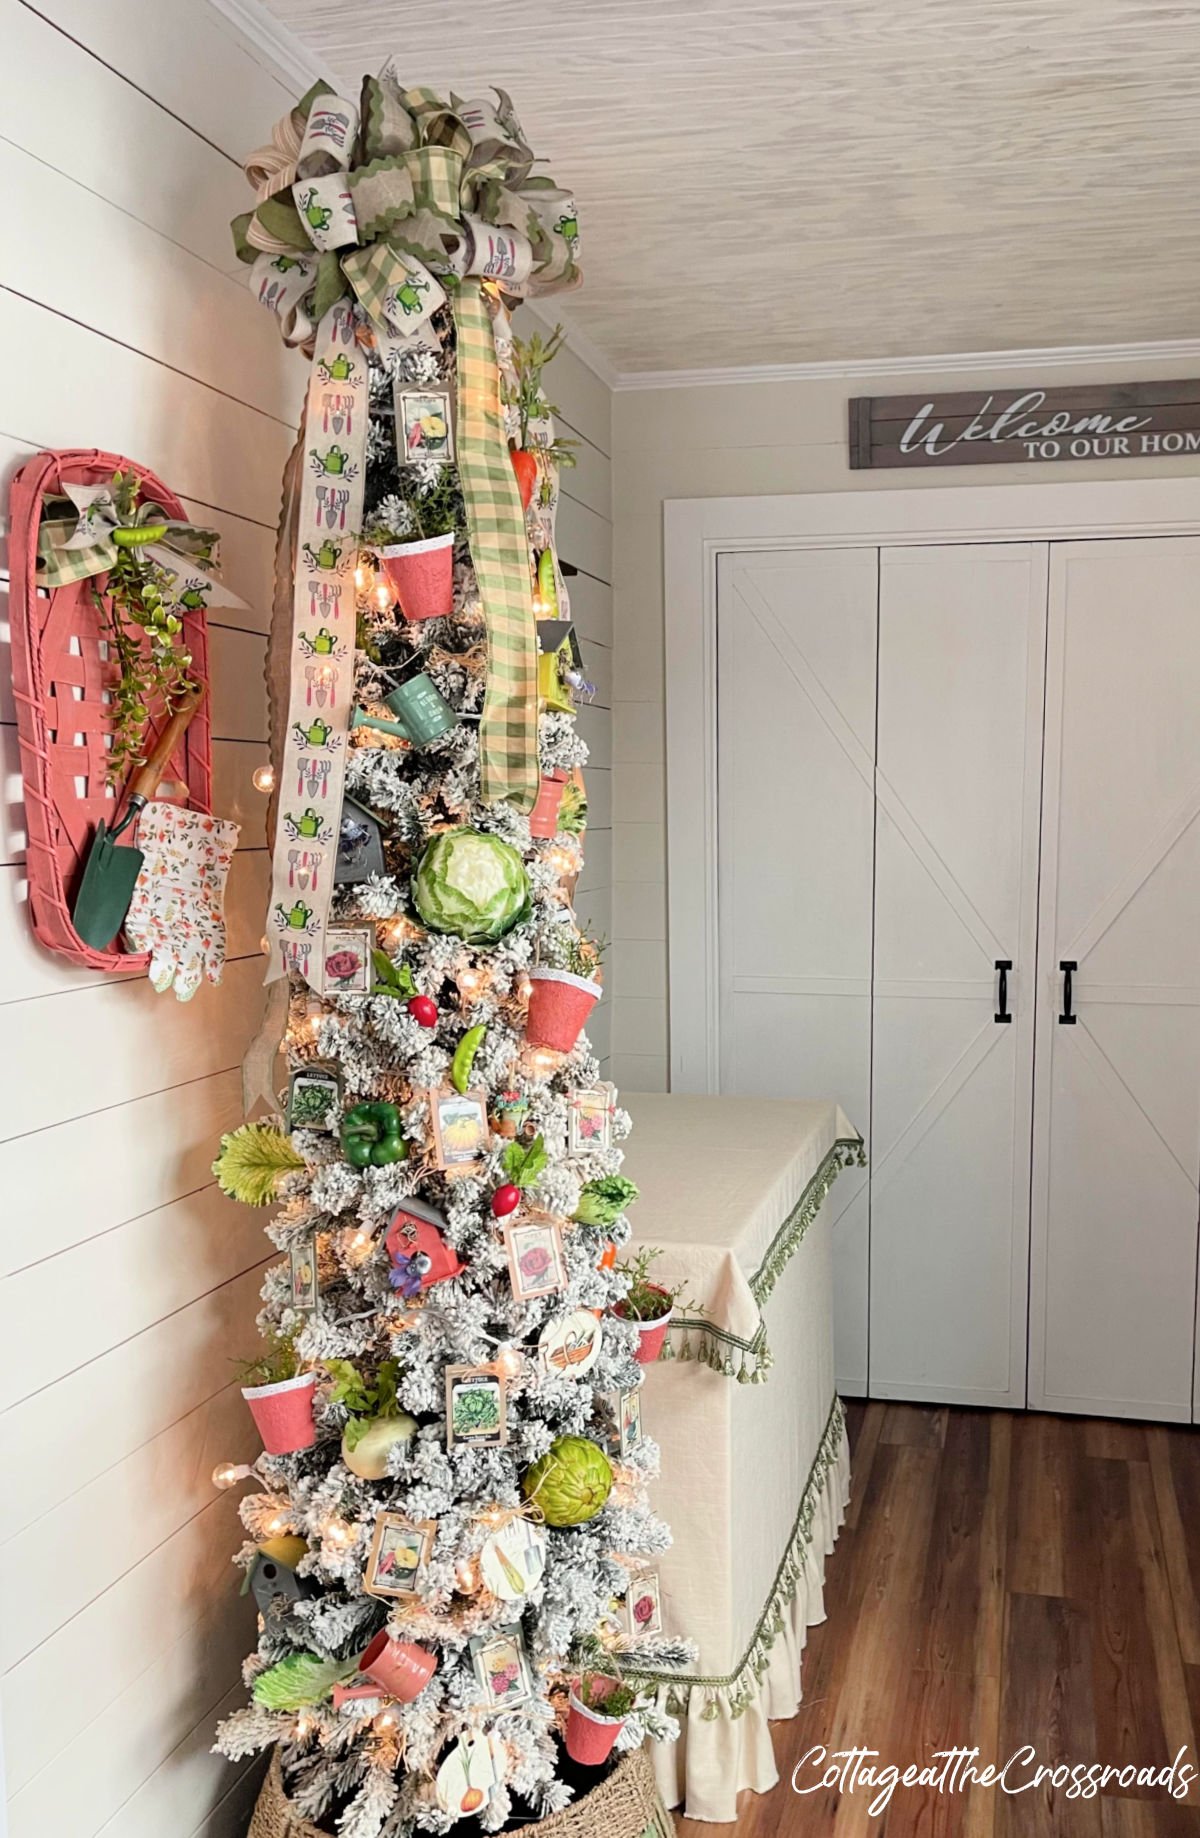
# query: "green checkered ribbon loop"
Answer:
x=508 y=755
x=83 y=542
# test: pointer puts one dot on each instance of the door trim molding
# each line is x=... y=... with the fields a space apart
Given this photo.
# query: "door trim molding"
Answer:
x=696 y=532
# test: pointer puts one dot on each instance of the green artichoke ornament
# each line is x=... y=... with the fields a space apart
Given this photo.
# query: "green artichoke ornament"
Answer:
x=570 y=1482
x=472 y=884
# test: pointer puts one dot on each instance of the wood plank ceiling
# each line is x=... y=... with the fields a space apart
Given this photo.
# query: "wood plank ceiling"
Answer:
x=774 y=181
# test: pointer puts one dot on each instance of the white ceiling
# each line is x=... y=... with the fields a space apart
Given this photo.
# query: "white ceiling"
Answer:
x=795 y=181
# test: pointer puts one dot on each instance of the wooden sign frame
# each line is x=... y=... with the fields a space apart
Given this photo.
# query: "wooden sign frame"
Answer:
x=1023 y=425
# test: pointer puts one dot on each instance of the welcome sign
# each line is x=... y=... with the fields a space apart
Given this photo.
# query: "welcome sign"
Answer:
x=992 y=427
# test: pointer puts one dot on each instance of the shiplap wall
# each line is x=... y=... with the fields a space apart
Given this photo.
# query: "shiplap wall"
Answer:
x=738 y=440
x=130 y=1285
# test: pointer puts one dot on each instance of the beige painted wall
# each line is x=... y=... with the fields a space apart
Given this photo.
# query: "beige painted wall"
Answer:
x=739 y=440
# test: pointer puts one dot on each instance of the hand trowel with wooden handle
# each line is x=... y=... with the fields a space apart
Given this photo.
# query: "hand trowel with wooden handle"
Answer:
x=110 y=873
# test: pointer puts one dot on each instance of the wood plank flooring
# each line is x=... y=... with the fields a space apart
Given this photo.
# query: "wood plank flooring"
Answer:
x=1002 y=1580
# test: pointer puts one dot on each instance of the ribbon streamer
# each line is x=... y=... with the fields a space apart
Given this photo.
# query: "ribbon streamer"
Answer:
x=324 y=605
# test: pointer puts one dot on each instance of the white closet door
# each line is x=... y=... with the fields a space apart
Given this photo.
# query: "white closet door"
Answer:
x=961 y=663
x=1117 y=1138
x=796 y=728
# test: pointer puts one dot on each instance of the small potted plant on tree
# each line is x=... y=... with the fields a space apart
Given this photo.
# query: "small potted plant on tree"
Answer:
x=564 y=993
x=599 y=1702
x=530 y=357
x=413 y=538
x=648 y=1305
x=280 y=1397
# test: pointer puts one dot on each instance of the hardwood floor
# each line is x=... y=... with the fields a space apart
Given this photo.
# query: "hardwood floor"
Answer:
x=1002 y=1580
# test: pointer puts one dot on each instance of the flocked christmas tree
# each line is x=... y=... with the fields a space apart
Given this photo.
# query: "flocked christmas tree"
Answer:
x=452 y=1516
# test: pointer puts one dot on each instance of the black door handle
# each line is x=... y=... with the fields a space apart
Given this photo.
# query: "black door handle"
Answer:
x=1003 y=1013
x=1067 y=1019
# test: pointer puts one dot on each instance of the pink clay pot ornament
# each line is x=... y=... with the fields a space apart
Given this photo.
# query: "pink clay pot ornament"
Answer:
x=283 y=1413
x=559 y=1005
x=651 y=1334
x=590 y=1734
x=421 y=575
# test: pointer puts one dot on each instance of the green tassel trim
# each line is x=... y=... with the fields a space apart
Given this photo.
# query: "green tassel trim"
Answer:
x=749 y=1361
x=737 y=1689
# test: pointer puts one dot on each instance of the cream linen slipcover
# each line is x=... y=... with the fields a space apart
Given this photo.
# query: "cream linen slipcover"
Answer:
x=755 y=1477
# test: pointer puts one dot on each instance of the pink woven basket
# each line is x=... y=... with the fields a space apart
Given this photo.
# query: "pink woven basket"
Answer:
x=59 y=675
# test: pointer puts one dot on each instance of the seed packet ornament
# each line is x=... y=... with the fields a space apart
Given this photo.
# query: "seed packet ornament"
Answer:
x=501 y=1666
x=512 y=1558
x=643 y=1605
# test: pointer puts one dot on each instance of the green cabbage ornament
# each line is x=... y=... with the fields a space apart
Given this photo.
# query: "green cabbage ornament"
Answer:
x=471 y=884
x=570 y=1482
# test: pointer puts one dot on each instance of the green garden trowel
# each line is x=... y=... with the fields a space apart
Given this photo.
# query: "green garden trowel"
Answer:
x=110 y=873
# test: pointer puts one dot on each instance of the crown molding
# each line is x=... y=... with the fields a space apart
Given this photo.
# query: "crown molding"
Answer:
x=1161 y=351
x=286 y=56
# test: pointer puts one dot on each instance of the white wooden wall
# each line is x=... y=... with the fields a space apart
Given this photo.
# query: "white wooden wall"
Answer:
x=737 y=440
x=130 y=1285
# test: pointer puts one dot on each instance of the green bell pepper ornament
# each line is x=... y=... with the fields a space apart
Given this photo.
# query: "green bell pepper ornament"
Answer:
x=370 y=1136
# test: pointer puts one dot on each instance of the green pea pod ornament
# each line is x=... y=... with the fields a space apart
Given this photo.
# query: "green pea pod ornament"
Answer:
x=464 y=1058
x=547 y=584
x=370 y=1136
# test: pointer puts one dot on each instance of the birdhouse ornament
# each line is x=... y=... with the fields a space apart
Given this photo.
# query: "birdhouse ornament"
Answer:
x=419 y=1253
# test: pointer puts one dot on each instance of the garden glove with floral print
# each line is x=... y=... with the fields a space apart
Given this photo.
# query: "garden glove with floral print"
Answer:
x=176 y=914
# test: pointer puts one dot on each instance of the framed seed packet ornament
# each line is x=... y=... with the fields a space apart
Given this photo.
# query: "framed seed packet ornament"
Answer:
x=625 y=1434
x=476 y=1406
x=400 y=1550
x=459 y=1125
x=425 y=423
x=643 y=1605
x=314 y=1099
x=590 y=1117
x=502 y=1667
x=346 y=965
x=302 y=1275
x=535 y=1258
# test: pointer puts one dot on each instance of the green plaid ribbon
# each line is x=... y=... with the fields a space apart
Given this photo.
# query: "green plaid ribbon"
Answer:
x=508 y=732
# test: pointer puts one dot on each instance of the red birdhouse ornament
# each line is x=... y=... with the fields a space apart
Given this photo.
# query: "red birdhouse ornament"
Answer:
x=419 y=1253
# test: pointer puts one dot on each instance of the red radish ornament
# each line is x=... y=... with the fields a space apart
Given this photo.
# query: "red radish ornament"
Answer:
x=425 y=1010
x=525 y=466
x=505 y=1200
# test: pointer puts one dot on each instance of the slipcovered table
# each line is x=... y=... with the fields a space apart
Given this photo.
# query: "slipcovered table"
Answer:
x=755 y=1467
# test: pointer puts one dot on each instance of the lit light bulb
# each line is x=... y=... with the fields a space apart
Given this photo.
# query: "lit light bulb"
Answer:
x=524 y=987
x=264 y=945
x=278 y=1522
x=337 y=1532
x=383 y=597
x=264 y=778
x=304 y=1724
x=470 y=983
x=228 y=1473
x=509 y=1361
x=560 y=859
x=466 y=1575
x=360 y=578
x=543 y=1060
x=386 y=1721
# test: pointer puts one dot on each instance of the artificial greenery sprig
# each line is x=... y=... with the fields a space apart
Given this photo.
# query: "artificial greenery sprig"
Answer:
x=530 y=357
x=143 y=631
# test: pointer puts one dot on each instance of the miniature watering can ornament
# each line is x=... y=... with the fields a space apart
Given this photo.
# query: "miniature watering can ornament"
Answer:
x=422 y=713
